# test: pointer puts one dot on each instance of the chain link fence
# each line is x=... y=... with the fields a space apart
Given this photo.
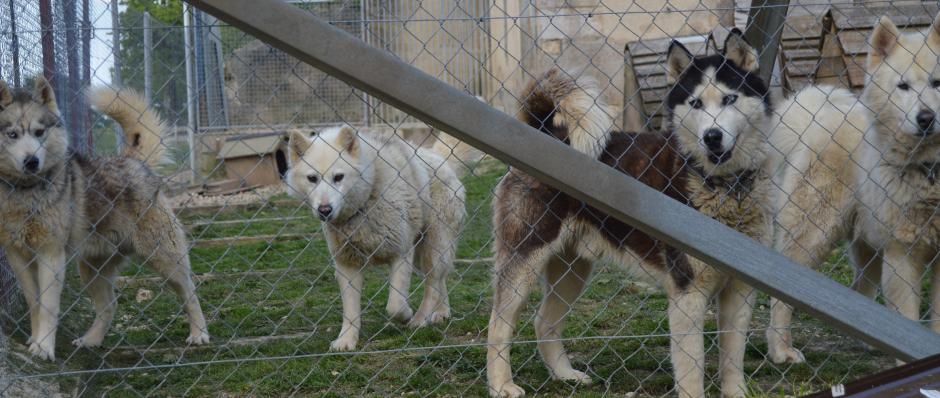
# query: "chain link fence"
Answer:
x=301 y=234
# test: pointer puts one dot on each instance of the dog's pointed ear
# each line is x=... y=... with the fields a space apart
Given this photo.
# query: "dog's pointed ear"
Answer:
x=44 y=94
x=297 y=144
x=677 y=60
x=6 y=95
x=933 y=37
x=737 y=50
x=883 y=39
x=348 y=140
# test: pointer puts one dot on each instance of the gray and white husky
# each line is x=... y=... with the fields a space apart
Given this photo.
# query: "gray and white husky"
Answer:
x=381 y=201
x=58 y=206
x=712 y=158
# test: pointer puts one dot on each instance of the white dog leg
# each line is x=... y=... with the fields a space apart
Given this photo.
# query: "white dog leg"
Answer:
x=562 y=285
x=514 y=279
x=736 y=305
x=935 y=298
x=26 y=276
x=399 y=285
x=686 y=324
x=350 y=287
x=50 y=269
x=436 y=258
x=98 y=277
x=900 y=279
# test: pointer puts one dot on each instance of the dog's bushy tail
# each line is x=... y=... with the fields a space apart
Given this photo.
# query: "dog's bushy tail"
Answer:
x=569 y=109
x=461 y=157
x=143 y=128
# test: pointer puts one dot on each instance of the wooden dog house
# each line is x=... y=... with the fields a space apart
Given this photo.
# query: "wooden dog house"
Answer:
x=832 y=48
x=255 y=159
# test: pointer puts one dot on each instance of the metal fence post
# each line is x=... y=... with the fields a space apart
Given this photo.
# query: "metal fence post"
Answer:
x=148 y=49
x=116 y=72
x=190 y=93
x=764 y=27
x=15 y=46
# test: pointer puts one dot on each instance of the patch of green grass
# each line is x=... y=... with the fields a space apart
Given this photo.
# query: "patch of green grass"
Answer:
x=274 y=308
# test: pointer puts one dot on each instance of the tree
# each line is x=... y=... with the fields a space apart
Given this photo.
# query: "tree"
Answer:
x=168 y=55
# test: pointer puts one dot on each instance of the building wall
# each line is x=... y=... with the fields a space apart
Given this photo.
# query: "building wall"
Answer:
x=585 y=36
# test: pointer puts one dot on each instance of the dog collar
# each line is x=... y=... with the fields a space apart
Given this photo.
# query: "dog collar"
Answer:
x=738 y=184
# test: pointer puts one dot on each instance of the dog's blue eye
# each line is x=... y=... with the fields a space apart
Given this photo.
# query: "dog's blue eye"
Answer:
x=313 y=178
x=935 y=83
x=696 y=103
x=904 y=86
x=337 y=178
x=729 y=99
x=13 y=135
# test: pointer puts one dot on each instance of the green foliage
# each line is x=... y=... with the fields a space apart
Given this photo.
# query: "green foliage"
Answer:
x=168 y=55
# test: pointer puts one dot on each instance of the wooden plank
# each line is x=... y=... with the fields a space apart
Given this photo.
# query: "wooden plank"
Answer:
x=206 y=223
x=351 y=60
x=866 y=16
x=802 y=26
x=236 y=206
x=854 y=41
x=634 y=115
x=801 y=54
x=655 y=95
x=658 y=47
x=809 y=42
x=248 y=240
x=855 y=67
x=801 y=68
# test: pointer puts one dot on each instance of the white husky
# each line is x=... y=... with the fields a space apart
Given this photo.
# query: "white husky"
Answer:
x=869 y=175
x=382 y=202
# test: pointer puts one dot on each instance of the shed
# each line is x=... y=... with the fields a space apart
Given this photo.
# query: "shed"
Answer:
x=644 y=83
x=255 y=159
x=801 y=50
x=851 y=25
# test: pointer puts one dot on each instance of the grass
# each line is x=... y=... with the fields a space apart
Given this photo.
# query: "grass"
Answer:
x=274 y=308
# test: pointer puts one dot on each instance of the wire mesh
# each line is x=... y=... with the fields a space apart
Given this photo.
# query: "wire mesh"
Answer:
x=375 y=259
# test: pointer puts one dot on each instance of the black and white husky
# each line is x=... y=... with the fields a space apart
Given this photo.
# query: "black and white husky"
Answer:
x=713 y=158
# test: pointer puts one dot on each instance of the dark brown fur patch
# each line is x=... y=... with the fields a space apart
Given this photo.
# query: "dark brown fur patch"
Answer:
x=529 y=214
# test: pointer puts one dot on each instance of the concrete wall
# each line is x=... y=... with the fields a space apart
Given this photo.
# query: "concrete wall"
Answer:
x=530 y=36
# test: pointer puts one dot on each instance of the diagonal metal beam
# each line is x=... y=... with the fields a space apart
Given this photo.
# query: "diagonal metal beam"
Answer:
x=380 y=74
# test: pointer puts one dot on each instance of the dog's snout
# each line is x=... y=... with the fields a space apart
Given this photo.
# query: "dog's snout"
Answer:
x=712 y=138
x=324 y=211
x=31 y=164
x=925 y=120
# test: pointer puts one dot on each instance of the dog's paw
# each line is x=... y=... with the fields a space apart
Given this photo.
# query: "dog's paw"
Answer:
x=421 y=320
x=507 y=390
x=343 y=344
x=786 y=354
x=199 y=338
x=87 y=342
x=573 y=376
x=41 y=351
x=402 y=314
